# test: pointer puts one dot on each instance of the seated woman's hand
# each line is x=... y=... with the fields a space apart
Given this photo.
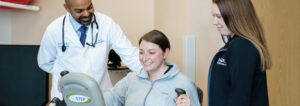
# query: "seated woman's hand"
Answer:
x=183 y=100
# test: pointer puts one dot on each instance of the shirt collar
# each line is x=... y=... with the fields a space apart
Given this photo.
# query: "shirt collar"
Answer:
x=74 y=23
x=174 y=70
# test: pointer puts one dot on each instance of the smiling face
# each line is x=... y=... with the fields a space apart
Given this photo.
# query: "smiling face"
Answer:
x=152 y=56
x=219 y=22
x=81 y=10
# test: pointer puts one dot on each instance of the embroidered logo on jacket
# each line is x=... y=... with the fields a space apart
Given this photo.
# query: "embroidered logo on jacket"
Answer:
x=67 y=44
x=221 y=61
x=99 y=41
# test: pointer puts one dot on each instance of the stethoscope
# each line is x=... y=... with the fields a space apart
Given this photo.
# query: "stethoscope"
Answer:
x=63 y=48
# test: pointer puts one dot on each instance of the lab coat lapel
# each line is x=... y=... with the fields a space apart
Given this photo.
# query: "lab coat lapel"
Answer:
x=88 y=36
x=71 y=33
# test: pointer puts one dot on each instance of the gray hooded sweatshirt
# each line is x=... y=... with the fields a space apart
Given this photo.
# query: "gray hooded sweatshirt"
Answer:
x=136 y=89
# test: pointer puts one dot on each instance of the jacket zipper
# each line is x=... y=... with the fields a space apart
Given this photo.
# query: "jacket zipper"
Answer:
x=148 y=93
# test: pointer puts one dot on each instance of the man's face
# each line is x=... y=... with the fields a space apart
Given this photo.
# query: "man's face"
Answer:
x=81 y=10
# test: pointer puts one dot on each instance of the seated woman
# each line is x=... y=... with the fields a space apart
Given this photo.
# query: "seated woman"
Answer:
x=155 y=84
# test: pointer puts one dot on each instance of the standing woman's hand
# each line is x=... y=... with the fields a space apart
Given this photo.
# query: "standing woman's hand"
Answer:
x=183 y=100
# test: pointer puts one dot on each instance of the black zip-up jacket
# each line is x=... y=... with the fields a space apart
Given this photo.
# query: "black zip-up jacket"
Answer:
x=235 y=76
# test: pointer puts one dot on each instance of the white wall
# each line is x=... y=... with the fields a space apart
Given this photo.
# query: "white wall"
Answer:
x=5 y=27
x=170 y=18
x=135 y=17
x=208 y=40
x=27 y=27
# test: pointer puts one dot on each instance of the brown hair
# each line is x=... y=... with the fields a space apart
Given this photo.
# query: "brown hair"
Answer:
x=241 y=19
x=158 y=38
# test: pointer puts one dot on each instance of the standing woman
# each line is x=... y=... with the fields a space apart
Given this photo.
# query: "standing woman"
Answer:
x=237 y=75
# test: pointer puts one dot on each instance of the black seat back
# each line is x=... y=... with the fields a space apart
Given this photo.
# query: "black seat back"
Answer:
x=200 y=95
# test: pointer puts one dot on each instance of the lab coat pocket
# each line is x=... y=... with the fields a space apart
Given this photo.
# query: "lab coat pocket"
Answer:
x=61 y=45
x=70 y=47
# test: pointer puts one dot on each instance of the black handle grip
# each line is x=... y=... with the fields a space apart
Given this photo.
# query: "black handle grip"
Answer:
x=58 y=102
x=180 y=91
x=63 y=73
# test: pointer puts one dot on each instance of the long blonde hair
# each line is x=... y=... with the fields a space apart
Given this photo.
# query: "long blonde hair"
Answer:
x=241 y=19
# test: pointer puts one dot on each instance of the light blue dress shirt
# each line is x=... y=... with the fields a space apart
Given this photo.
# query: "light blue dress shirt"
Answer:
x=75 y=25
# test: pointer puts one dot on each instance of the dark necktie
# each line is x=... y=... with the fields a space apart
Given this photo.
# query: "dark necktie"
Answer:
x=82 y=30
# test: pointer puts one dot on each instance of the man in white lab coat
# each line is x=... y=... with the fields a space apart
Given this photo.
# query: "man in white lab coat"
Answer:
x=80 y=42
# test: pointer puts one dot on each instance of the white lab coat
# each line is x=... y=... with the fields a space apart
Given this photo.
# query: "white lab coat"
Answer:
x=88 y=60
